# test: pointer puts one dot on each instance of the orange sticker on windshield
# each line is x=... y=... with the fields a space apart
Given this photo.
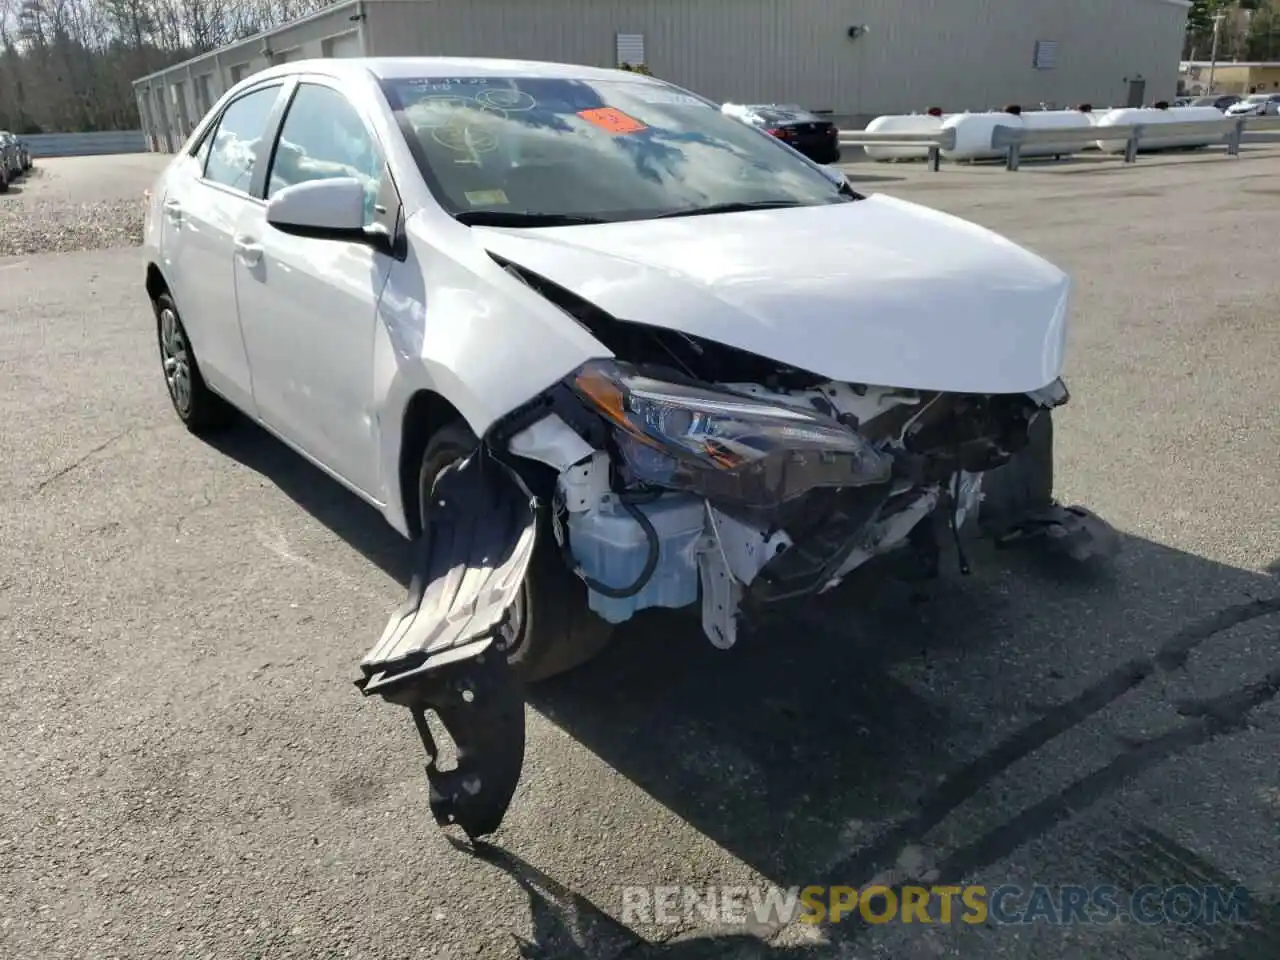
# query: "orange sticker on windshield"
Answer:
x=611 y=120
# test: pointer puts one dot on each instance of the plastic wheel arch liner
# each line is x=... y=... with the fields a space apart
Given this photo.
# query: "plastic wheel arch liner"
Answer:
x=438 y=652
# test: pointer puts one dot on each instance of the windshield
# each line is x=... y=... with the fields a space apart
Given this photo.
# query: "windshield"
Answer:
x=592 y=150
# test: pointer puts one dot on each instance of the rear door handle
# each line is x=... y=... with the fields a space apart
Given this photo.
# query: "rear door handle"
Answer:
x=248 y=251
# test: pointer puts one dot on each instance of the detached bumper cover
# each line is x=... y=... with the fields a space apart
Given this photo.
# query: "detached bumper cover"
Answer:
x=438 y=653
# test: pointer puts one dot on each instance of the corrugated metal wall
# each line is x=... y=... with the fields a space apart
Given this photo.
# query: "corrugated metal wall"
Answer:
x=964 y=55
x=725 y=49
x=961 y=54
x=957 y=54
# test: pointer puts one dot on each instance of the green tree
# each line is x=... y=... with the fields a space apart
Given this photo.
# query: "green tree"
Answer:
x=1263 y=41
x=1200 y=16
x=1200 y=25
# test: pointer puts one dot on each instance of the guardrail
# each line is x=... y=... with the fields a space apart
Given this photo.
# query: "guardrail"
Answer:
x=936 y=141
x=96 y=143
x=1012 y=139
x=1132 y=135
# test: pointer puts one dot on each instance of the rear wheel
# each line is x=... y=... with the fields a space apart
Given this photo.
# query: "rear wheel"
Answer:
x=551 y=630
x=198 y=407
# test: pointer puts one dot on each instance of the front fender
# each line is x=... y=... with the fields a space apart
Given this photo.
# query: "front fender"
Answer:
x=452 y=321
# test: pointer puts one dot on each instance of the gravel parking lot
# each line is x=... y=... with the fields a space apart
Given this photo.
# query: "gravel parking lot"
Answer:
x=65 y=204
x=190 y=770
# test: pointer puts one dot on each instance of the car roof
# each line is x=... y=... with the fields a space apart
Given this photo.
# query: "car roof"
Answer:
x=411 y=68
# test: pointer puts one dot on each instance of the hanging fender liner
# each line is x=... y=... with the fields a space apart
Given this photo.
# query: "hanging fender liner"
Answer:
x=438 y=651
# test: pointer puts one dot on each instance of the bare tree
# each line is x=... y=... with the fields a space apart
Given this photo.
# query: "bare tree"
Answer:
x=70 y=64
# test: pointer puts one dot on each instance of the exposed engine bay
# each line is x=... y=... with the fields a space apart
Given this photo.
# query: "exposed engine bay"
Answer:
x=755 y=482
x=689 y=473
x=784 y=501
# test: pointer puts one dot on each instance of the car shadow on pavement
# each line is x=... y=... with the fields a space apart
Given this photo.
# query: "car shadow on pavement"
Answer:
x=888 y=705
x=568 y=926
x=349 y=517
x=776 y=749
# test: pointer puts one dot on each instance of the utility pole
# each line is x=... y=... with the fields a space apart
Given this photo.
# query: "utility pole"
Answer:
x=1213 y=53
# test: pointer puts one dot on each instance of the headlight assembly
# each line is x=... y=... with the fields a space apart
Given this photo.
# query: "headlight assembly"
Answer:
x=724 y=445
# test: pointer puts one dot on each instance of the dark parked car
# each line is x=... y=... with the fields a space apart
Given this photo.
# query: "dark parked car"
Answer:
x=816 y=138
x=11 y=158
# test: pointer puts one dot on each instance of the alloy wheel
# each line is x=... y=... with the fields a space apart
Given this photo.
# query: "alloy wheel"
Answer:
x=176 y=356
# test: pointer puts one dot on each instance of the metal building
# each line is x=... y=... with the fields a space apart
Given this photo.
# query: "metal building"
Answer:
x=852 y=58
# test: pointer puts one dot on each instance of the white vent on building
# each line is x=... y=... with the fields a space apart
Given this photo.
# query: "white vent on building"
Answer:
x=631 y=49
x=1046 y=57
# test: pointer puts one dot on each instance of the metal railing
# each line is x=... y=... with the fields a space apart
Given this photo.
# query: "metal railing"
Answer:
x=935 y=140
x=1012 y=140
x=85 y=144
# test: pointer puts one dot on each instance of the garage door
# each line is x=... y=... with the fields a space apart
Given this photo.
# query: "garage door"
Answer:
x=346 y=45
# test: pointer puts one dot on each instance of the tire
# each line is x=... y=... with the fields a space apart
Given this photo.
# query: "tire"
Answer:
x=1022 y=486
x=555 y=631
x=199 y=408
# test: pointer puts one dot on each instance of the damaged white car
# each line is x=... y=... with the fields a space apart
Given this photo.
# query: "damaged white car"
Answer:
x=597 y=348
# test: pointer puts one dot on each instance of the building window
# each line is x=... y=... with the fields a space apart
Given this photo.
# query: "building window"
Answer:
x=1046 y=55
x=238 y=72
x=630 y=49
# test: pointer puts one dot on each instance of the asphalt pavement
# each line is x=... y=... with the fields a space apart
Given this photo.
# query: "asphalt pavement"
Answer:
x=189 y=770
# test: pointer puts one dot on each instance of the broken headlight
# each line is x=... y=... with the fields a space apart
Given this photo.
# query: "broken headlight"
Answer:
x=722 y=445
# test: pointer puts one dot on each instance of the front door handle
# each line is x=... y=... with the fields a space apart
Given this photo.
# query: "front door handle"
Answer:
x=173 y=210
x=248 y=251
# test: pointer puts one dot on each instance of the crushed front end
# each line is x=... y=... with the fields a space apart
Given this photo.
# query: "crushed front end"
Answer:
x=670 y=486
x=744 y=494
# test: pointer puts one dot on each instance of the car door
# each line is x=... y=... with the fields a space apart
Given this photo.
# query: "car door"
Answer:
x=307 y=305
x=206 y=193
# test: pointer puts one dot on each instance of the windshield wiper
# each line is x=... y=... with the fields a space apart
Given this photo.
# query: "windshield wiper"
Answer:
x=521 y=218
x=738 y=207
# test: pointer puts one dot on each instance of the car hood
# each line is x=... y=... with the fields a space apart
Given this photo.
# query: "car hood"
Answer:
x=877 y=291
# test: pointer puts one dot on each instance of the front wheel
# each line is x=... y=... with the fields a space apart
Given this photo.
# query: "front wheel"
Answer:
x=1024 y=485
x=551 y=629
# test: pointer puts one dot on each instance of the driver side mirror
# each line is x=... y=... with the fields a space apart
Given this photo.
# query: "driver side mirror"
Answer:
x=332 y=209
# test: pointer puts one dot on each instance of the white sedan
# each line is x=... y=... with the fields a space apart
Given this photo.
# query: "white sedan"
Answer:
x=597 y=347
x=1256 y=105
